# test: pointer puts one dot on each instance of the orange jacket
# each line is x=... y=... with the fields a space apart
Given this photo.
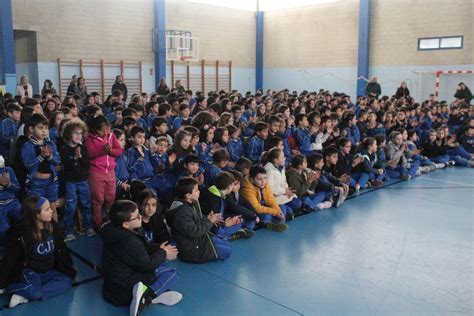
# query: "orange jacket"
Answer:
x=252 y=194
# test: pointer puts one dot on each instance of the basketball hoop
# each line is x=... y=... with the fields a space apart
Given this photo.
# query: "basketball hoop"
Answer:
x=186 y=59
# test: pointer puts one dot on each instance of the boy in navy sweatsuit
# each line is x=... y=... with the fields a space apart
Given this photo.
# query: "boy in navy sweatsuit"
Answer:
x=10 y=207
x=256 y=144
x=41 y=159
x=9 y=129
x=142 y=165
x=303 y=135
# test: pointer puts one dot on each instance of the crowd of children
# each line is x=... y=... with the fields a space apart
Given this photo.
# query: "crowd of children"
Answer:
x=181 y=175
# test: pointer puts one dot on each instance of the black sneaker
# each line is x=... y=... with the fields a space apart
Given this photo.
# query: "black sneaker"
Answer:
x=142 y=297
x=290 y=217
x=243 y=233
x=277 y=227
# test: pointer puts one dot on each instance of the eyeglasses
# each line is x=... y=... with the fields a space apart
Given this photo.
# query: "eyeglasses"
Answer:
x=77 y=133
x=138 y=217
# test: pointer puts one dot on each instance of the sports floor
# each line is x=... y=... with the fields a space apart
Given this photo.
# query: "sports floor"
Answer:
x=404 y=249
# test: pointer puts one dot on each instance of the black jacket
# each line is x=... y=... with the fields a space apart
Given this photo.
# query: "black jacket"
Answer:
x=16 y=259
x=75 y=170
x=431 y=150
x=235 y=205
x=373 y=87
x=465 y=95
x=401 y=92
x=344 y=164
x=369 y=164
x=191 y=231
x=127 y=258
x=211 y=201
x=158 y=227
x=122 y=87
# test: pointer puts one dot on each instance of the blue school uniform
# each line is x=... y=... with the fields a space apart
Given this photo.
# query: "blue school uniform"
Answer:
x=210 y=174
x=53 y=134
x=303 y=139
x=235 y=147
x=143 y=123
x=8 y=130
x=255 y=148
x=143 y=169
x=353 y=134
x=34 y=162
x=10 y=207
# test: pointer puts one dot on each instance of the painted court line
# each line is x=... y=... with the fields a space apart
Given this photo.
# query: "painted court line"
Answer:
x=250 y=291
x=434 y=201
x=446 y=181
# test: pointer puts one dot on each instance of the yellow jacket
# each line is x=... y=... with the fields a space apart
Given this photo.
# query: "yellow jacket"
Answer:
x=251 y=193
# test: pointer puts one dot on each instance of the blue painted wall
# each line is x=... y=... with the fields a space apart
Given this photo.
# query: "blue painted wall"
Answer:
x=259 y=52
x=363 y=62
x=7 y=46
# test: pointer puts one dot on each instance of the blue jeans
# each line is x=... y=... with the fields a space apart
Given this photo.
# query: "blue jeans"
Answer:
x=360 y=178
x=47 y=188
x=266 y=218
x=423 y=161
x=75 y=191
x=8 y=211
x=314 y=199
x=460 y=156
x=291 y=206
x=409 y=171
x=222 y=247
x=380 y=177
x=34 y=286
x=166 y=278
x=460 y=151
x=249 y=224
x=226 y=232
x=440 y=159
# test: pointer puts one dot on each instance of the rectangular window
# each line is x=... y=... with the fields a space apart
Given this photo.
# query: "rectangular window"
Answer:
x=442 y=42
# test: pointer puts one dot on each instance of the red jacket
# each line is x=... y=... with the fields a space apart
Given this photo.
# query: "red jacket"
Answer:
x=99 y=160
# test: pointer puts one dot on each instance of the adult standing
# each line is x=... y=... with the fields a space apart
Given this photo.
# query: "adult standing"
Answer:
x=373 y=89
x=71 y=89
x=402 y=91
x=24 y=88
x=81 y=88
x=48 y=85
x=120 y=86
x=162 y=88
x=178 y=86
x=463 y=93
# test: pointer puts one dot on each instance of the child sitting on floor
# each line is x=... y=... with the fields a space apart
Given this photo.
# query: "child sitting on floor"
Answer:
x=134 y=270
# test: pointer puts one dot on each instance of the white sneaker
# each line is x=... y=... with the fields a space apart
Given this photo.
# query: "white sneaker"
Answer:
x=424 y=169
x=168 y=298
x=16 y=300
x=69 y=237
x=90 y=232
x=342 y=196
x=451 y=163
x=324 y=205
x=440 y=165
x=418 y=173
x=140 y=299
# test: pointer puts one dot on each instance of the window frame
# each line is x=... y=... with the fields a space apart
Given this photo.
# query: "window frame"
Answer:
x=440 y=38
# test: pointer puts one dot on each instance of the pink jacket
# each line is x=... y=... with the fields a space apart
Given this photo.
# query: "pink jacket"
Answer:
x=99 y=160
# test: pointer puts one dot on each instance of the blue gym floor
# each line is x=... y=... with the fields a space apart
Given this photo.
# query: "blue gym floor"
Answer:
x=404 y=249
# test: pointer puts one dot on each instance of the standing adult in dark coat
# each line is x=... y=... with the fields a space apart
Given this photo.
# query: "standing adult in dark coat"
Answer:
x=373 y=88
x=120 y=86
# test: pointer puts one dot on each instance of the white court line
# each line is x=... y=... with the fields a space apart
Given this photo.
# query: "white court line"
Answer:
x=445 y=181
